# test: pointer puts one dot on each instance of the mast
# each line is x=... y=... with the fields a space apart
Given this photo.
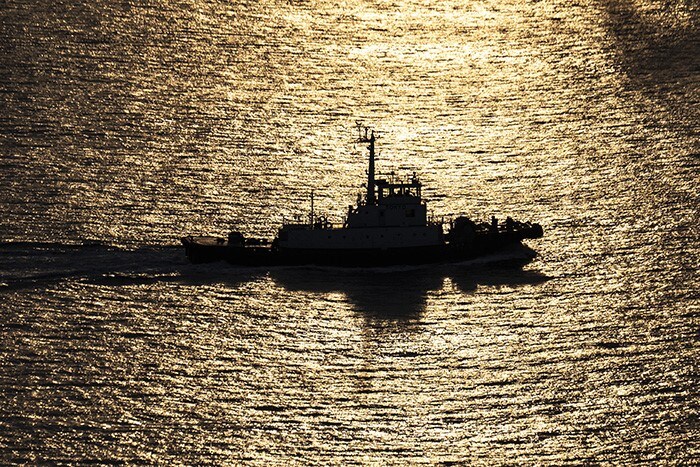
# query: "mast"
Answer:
x=311 y=216
x=368 y=137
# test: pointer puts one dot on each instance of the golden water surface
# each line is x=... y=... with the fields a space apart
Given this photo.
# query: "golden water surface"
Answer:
x=126 y=125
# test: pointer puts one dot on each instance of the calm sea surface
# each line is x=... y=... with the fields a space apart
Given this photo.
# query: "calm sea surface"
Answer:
x=126 y=125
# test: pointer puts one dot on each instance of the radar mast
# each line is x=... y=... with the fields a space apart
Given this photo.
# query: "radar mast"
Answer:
x=366 y=135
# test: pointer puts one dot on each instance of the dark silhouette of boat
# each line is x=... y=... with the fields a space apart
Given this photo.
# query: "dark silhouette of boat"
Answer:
x=390 y=226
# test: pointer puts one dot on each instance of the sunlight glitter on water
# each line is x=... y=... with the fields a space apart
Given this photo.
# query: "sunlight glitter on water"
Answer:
x=130 y=125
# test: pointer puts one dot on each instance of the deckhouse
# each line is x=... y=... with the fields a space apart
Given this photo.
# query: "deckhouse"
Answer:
x=392 y=215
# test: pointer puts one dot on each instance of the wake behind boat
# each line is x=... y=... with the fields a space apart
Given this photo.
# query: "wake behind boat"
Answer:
x=389 y=226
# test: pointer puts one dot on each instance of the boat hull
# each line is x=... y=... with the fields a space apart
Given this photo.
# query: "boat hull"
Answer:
x=211 y=249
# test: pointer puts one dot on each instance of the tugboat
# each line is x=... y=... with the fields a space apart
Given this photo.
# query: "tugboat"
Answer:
x=390 y=226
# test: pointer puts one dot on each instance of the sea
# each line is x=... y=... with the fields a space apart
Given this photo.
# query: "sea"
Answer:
x=125 y=125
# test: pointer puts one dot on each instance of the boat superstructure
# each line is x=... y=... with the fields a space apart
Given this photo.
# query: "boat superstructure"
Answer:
x=392 y=215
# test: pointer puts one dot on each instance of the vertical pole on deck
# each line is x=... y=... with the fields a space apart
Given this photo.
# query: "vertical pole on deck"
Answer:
x=311 y=217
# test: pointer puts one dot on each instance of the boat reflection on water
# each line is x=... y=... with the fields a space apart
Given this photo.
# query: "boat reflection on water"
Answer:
x=401 y=293
x=395 y=293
